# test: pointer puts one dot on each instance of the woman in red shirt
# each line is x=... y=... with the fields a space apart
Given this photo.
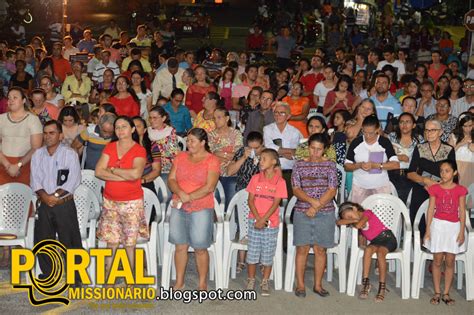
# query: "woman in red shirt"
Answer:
x=121 y=167
x=196 y=92
x=193 y=179
x=340 y=98
x=124 y=98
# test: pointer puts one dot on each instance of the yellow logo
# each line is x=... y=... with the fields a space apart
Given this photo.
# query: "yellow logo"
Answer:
x=64 y=263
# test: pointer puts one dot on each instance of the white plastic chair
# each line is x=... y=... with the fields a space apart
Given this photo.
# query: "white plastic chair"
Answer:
x=220 y=191
x=238 y=206
x=87 y=207
x=15 y=201
x=151 y=245
x=339 y=250
x=95 y=184
x=182 y=143
x=342 y=187
x=421 y=255
x=161 y=188
x=391 y=211
x=215 y=250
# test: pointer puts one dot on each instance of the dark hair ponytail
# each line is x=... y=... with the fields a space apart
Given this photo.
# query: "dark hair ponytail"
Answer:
x=201 y=135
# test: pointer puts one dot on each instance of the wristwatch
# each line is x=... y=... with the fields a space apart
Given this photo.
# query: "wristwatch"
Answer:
x=56 y=194
x=381 y=166
x=20 y=164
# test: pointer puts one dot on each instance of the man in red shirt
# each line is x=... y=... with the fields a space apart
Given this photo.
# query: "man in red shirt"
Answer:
x=62 y=67
x=312 y=77
x=255 y=40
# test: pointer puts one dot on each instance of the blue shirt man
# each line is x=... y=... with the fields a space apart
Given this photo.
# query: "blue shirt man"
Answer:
x=179 y=114
x=385 y=103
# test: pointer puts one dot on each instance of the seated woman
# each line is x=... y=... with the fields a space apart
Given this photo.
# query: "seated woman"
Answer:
x=121 y=167
x=315 y=125
x=339 y=98
x=193 y=179
x=224 y=141
x=299 y=106
x=205 y=118
x=124 y=98
x=314 y=183
x=163 y=137
x=370 y=156
x=354 y=126
x=404 y=140
x=448 y=121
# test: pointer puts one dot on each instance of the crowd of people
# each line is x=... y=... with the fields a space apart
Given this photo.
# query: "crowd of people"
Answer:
x=121 y=106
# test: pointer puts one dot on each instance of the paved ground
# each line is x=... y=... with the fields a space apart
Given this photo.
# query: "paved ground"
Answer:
x=280 y=302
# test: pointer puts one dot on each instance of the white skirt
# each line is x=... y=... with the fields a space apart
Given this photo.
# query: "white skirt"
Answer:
x=443 y=237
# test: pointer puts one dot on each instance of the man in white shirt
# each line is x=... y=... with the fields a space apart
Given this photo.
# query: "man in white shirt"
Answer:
x=68 y=48
x=167 y=79
x=99 y=70
x=426 y=104
x=463 y=104
x=389 y=56
x=283 y=138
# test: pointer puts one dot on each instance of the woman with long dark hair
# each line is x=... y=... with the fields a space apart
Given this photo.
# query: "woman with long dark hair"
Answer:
x=144 y=95
x=339 y=98
x=124 y=98
x=193 y=179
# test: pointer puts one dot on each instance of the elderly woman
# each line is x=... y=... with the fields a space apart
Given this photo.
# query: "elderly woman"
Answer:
x=193 y=179
x=370 y=156
x=224 y=142
x=205 y=118
x=404 y=140
x=448 y=121
x=314 y=182
x=163 y=138
x=121 y=167
x=424 y=165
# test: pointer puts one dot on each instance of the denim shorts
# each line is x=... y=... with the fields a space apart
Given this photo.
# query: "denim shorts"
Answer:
x=318 y=230
x=262 y=244
x=193 y=228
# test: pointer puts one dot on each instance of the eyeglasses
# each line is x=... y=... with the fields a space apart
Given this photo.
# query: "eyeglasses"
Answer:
x=279 y=113
x=443 y=106
x=431 y=130
x=468 y=86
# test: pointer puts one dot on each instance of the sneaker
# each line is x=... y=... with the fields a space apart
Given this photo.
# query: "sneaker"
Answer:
x=265 y=288
x=251 y=284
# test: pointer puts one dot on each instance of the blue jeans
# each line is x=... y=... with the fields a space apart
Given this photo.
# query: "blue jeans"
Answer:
x=228 y=183
x=193 y=228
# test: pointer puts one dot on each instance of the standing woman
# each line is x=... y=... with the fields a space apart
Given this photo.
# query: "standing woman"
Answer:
x=224 y=142
x=193 y=179
x=299 y=106
x=404 y=140
x=153 y=155
x=121 y=166
x=196 y=92
x=124 y=99
x=71 y=123
x=314 y=182
x=144 y=95
x=205 y=118
x=47 y=84
x=21 y=134
x=163 y=138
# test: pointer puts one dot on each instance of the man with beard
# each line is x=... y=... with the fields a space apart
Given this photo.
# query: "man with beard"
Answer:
x=385 y=103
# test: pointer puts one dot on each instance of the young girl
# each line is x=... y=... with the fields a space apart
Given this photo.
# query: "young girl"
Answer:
x=226 y=86
x=266 y=189
x=338 y=121
x=382 y=242
x=445 y=227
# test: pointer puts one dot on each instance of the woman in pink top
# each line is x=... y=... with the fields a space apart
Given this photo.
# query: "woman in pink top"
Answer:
x=193 y=179
x=437 y=68
x=196 y=92
x=382 y=241
x=124 y=98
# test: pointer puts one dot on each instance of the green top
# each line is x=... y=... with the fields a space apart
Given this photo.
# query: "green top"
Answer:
x=302 y=152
